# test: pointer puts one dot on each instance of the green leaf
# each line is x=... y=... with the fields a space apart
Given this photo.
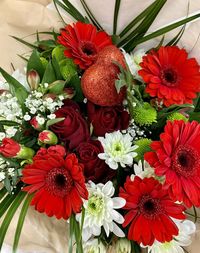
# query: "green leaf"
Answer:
x=75 y=82
x=17 y=88
x=49 y=74
x=32 y=46
x=116 y=13
x=9 y=123
x=90 y=15
x=137 y=19
x=2 y=193
x=144 y=26
x=21 y=221
x=53 y=121
x=35 y=63
x=162 y=31
x=9 y=215
x=56 y=67
x=70 y=9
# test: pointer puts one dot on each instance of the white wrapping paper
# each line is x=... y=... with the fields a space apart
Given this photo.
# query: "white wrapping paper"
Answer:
x=22 y=18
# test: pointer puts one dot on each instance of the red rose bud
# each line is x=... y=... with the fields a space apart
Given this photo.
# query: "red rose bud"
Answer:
x=47 y=137
x=56 y=87
x=69 y=93
x=33 y=79
x=37 y=125
x=11 y=149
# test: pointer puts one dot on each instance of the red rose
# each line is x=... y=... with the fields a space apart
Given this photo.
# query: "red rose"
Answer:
x=107 y=119
x=95 y=169
x=73 y=129
x=9 y=148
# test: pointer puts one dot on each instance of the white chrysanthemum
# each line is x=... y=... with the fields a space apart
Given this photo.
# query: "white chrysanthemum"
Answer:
x=118 y=149
x=186 y=229
x=133 y=60
x=143 y=170
x=94 y=246
x=123 y=246
x=100 y=211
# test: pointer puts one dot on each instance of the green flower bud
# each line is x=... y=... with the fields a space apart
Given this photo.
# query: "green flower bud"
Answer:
x=177 y=116
x=123 y=246
x=145 y=114
x=47 y=137
x=25 y=153
x=56 y=87
x=33 y=79
x=143 y=147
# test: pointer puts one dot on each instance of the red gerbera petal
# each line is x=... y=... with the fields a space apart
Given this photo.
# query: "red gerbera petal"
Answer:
x=60 y=186
x=151 y=211
x=170 y=75
x=182 y=150
x=83 y=42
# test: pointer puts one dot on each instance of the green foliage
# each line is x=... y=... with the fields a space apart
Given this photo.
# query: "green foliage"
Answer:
x=35 y=63
x=116 y=13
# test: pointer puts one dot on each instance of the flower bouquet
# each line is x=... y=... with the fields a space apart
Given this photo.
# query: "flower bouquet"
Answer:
x=104 y=135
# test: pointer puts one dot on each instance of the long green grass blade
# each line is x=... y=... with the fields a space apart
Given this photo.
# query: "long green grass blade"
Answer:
x=144 y=26
x=9 y=215
x=162 y=31
x=116 y=13
x=137 y=19
x=32 y=46
x=176 y=39
x=70 y=9
x=90 y=14
x=5 y=203
x=59 y=12
x=21 y=220
x=3 y=192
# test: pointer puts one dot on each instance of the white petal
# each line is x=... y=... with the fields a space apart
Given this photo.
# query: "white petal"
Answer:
x=118 y=202
x=108 y=189
x=117 y=217
x=106 y=228
x=117 y=231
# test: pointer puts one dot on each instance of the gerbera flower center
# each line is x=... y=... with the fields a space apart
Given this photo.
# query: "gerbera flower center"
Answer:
x=186 y=161
x=59 y=182
x=88 y=48
x=169 y=77
x=150 y=207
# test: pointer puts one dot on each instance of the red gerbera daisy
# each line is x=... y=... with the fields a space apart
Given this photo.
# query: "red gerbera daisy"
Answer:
x=177 y=157
x=170 y=75
x=83 y=42
x=58 y=184
x=150 y=211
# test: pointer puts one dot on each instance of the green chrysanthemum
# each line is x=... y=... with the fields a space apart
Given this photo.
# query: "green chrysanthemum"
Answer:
x=177 y=116
x=143 y=147
x=145 y=114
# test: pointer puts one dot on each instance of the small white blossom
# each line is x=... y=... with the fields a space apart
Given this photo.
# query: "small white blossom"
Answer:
x=40 y=120
x=118 y=149
x=2 y=136
x=100 y=211
x=27 y=117
x=2 y=176
x=52 y=116
x=186 y=229
x=133 y=60
x=94 y=246
x=10 y=132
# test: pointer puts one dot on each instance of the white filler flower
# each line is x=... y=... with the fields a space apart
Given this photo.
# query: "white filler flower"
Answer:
x=186 y=229
x=133 y=60
x=94 y=246
x=118 y=149
x=100 y=211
